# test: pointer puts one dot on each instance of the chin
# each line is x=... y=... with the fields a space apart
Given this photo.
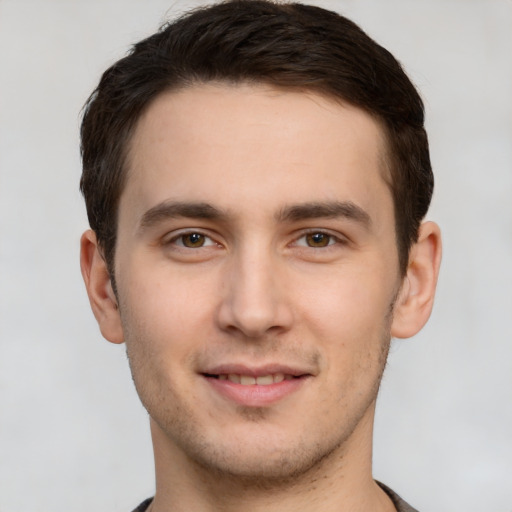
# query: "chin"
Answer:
x=259 y=459
x=265 y=470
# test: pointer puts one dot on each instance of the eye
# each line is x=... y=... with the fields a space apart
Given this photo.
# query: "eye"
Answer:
x=316 y=239
x=193 y=240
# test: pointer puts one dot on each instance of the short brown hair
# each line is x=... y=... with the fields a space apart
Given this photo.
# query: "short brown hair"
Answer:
x=292 y=46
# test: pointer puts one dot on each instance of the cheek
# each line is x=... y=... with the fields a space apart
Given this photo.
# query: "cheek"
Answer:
x=346 y=305
x=156 y=344
x=164 y=293
x=167 y=317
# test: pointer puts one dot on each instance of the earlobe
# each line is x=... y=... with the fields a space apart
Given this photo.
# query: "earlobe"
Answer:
x=99 y=288
x=416 y=297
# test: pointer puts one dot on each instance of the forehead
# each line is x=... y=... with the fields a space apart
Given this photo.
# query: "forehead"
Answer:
x=243 y=147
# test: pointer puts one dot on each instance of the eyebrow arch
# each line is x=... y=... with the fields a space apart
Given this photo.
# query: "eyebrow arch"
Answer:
x=330 y=209
x=175 y=209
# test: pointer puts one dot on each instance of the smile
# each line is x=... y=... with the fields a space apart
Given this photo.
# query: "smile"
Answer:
x=250 y=380
x=255 y=388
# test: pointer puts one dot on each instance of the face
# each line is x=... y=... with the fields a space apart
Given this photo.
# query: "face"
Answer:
x=256 y=271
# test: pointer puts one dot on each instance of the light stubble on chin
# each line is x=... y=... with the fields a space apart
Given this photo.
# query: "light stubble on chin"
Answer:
x=177 y=421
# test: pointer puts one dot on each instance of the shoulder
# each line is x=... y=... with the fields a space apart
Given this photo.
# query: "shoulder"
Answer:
x=143 y=506
x=400 y=504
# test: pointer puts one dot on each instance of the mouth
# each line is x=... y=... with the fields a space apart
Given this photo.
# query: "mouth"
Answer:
x=255 y=387
x=251 y=380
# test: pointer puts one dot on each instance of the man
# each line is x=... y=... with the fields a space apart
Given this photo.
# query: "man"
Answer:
x=256 y=176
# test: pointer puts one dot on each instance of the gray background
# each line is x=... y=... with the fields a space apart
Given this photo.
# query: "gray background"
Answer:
x=73 y=435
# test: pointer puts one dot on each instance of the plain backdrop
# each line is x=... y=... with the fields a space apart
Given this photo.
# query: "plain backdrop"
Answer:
x=73 y=436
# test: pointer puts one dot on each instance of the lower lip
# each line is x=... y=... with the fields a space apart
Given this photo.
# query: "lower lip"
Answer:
x=255 y=395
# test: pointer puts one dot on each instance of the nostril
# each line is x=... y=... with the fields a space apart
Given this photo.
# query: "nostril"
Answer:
x=254 y=307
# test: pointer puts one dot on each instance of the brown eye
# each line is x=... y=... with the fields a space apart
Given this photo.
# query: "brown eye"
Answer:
x=193 y=240
x=318 y=239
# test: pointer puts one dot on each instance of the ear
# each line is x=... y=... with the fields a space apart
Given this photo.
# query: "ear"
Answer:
x=99 y=288
x=416 y=297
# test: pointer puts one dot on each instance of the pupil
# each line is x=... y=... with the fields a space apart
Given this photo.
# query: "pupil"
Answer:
x=319 y=239
x=194 y=239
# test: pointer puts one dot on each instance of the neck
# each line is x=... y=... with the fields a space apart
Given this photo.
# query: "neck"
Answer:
x=341 y=482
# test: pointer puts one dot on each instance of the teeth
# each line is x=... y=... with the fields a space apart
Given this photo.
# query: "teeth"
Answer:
x=264 y=380
x=249 y=380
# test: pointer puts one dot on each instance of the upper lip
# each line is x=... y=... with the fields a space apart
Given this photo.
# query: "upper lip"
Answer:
x=256 y=371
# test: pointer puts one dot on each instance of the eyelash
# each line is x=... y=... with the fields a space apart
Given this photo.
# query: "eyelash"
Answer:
x=332 y=240
x=181 y=236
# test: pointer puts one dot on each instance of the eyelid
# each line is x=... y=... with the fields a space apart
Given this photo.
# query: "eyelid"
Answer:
x=174 y=236
x=337 y=238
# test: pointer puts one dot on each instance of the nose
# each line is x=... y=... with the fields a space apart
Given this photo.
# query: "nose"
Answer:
x=254 y=299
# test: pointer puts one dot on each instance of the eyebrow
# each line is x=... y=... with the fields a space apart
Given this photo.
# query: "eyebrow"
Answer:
x=329 y=210
x=175 y=209
x=293 y=213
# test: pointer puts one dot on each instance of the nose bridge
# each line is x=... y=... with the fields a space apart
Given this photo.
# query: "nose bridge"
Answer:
x=254 y=300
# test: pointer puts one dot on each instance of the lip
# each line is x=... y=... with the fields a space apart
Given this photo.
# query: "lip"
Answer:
x=256 y=371
x=255 y=395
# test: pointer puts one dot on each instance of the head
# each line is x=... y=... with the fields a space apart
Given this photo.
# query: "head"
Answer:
x=255 y=176
x=289 y=46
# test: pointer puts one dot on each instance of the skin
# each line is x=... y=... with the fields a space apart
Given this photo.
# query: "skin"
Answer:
x=256 y=230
